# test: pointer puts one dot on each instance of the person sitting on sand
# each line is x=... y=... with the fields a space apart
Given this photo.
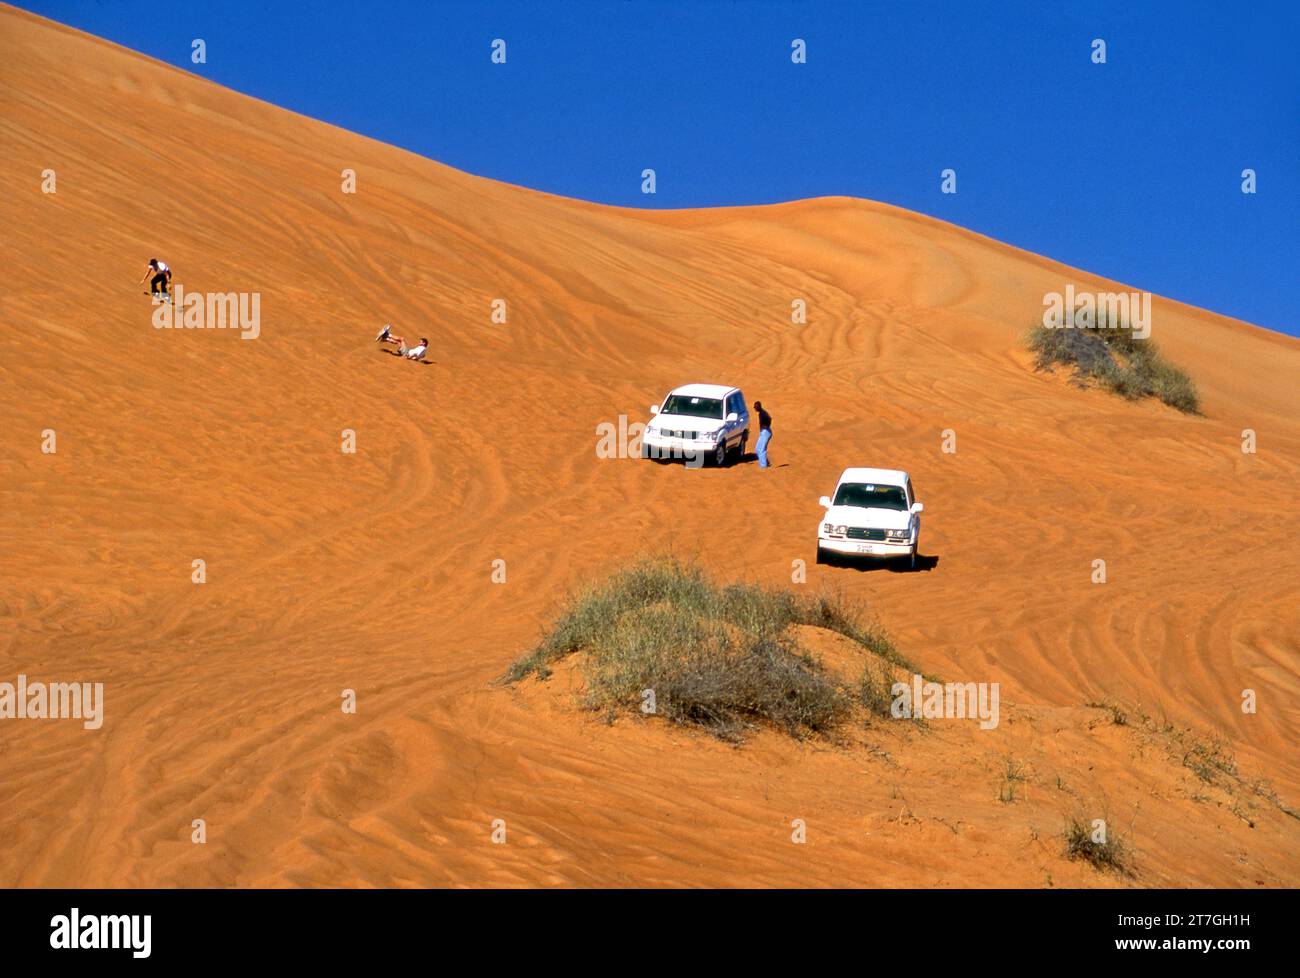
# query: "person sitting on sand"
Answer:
x=417 y=352
x=161 y=276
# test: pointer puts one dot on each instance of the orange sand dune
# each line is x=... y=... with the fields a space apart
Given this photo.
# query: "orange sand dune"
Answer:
x=372 y=571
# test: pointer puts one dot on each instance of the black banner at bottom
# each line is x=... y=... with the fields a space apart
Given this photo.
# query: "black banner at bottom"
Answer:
x=944 y=928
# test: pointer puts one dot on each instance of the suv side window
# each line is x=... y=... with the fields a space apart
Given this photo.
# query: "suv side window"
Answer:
x=911 y=496
x=739 y=400
x=730 y=405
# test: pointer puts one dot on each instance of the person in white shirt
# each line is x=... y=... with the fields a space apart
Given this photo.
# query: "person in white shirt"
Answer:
x=161 y=276
x=416 y=352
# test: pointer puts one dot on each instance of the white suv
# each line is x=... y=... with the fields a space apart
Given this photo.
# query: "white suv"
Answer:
x=874 y=513
x=700 y=423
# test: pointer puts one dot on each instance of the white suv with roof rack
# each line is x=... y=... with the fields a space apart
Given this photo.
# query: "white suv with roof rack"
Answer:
x=699 y=423
x=874 y=513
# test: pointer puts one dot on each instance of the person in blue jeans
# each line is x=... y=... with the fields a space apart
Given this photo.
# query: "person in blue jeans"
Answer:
x=764 y=434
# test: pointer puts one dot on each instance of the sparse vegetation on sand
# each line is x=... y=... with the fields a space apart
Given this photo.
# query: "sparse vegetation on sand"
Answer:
x=1110 y=854
x=1013 y=775
x=1209 y=758
x=1117 y=714
x=1111 y=356
x=721 y=657
x=874 y=689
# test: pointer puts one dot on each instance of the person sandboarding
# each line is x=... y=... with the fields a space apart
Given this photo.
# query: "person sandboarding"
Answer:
x=162 y=276
x=417 y=352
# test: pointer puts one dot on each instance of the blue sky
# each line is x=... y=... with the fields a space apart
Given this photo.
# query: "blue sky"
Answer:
x=1130 y=169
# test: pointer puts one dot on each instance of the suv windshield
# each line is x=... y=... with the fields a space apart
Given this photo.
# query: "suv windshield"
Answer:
x=693 y=407
x=867 y=494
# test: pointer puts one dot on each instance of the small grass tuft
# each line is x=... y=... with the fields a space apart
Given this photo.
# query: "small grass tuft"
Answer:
x=1117 y=715
x=875 y=689
x=1112 y=854
x=1014 y=774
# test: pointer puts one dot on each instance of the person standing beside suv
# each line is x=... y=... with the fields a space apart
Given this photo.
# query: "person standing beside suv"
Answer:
x=764 y=434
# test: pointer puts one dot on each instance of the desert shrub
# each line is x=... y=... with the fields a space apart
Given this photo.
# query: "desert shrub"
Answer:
x=718 y=657
x=706 y=673
x=1113 y=358
x=1112 y=855
x=594 y=611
